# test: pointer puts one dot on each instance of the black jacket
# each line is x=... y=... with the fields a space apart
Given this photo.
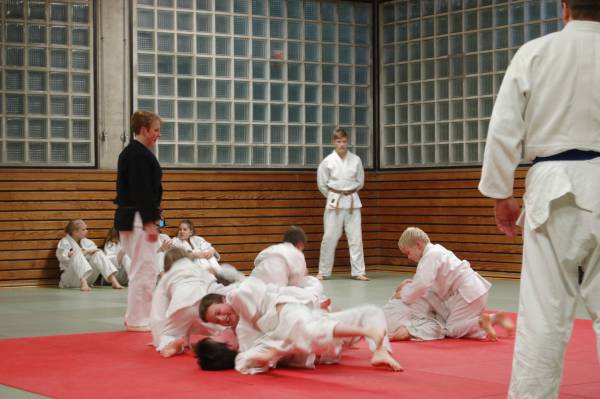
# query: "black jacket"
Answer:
x=139 y=187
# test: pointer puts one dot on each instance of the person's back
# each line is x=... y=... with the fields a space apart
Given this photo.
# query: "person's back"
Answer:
x=280 y=264
x=549 y=105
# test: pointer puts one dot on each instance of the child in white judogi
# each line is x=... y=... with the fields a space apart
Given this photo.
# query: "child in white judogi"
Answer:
x=463 y=291
x=339 y=177
x=273 y=323
x=174 y=313
x=81 y=261
x=284 y=264
x=201 y=251
x=115 y=252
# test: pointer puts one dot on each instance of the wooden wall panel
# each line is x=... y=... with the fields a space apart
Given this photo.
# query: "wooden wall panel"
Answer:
x=243 y=212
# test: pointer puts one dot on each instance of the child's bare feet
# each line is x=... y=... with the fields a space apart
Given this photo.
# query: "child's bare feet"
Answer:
x=84 y=287
x=115 y=284
x=485 y=322
x=401 y=334
x=505 y=322
x=173 y=348
x=383 y=358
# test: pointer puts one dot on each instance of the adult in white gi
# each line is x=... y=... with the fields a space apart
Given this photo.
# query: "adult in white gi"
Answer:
x=81 y=261
x=139 y=193
x=116 y=254
x=201 y=251
x=462 y=290
x=284 y=264
x=276 y=322
x=174 y=316
x=548 y=108
x=339 y=177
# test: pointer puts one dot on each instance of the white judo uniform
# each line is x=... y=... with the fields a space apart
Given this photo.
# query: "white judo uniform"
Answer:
x=175 y=303
x=549 y=103
x=424 y=318
x=199 y=244
x=298 y=333
x=339 y=180
x=79 y=266
x=462 y=290
x=282 y=265
x=111 y=250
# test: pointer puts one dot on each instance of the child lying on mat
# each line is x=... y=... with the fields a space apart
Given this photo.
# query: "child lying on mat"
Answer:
x=463 y=291
x=422 y=320
x=284 y=325
x=174 y=313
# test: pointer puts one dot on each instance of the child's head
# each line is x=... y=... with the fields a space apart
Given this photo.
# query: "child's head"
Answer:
x=112 y=236
x=214 y=355
x=295 y=236
x=412 y=242
x=172 y=256
x=214 y=309
x=76 y=229
x=186 y=229
x=340 y=141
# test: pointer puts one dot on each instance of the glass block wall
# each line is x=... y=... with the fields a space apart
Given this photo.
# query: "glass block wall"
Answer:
x=254 y=83
x=442 y=65
x=46 y=86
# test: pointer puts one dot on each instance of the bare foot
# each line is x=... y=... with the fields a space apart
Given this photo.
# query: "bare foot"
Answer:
x=137 y=328
x=84 y=287
x=485 y=322
x=320 y=277
x=173 y=348
x=117 y=286
x=382 y=358
x=401 y=334
x=362 y=277
x=505 y=322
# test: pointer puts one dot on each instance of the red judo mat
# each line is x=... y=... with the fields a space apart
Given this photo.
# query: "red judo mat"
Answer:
x=122 y=365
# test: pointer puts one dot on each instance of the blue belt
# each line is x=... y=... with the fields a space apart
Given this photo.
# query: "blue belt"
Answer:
x=570 y=155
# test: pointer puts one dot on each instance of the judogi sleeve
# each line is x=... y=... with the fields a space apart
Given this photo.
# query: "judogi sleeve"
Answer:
x=423 y=279
x=503 y=148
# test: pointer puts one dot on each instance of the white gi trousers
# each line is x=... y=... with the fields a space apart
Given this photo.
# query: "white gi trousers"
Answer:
x=89 y=267
x=142 y=275
x=463 y=320
x=334 y=223
x=548 y=294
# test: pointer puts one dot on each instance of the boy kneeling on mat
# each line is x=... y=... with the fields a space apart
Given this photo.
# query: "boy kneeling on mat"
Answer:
x=463 y=291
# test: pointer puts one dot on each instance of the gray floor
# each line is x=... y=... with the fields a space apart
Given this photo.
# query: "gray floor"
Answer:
x=50 y=311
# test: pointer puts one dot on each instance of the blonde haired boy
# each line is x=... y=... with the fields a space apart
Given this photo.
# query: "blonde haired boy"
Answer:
x=463 y=291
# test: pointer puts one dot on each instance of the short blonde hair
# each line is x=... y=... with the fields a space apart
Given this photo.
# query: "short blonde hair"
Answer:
x=411 y=236
x=339 y=133
x=173 y=255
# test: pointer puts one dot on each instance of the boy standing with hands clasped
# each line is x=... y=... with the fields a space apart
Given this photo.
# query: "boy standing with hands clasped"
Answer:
x=463 y=291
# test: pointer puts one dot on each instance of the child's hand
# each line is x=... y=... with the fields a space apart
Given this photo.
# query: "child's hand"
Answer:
x=398 y=291
x=71 y=253
x=165 y=246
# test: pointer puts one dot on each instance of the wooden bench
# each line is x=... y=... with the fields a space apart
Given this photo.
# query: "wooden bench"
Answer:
x=242 y=212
